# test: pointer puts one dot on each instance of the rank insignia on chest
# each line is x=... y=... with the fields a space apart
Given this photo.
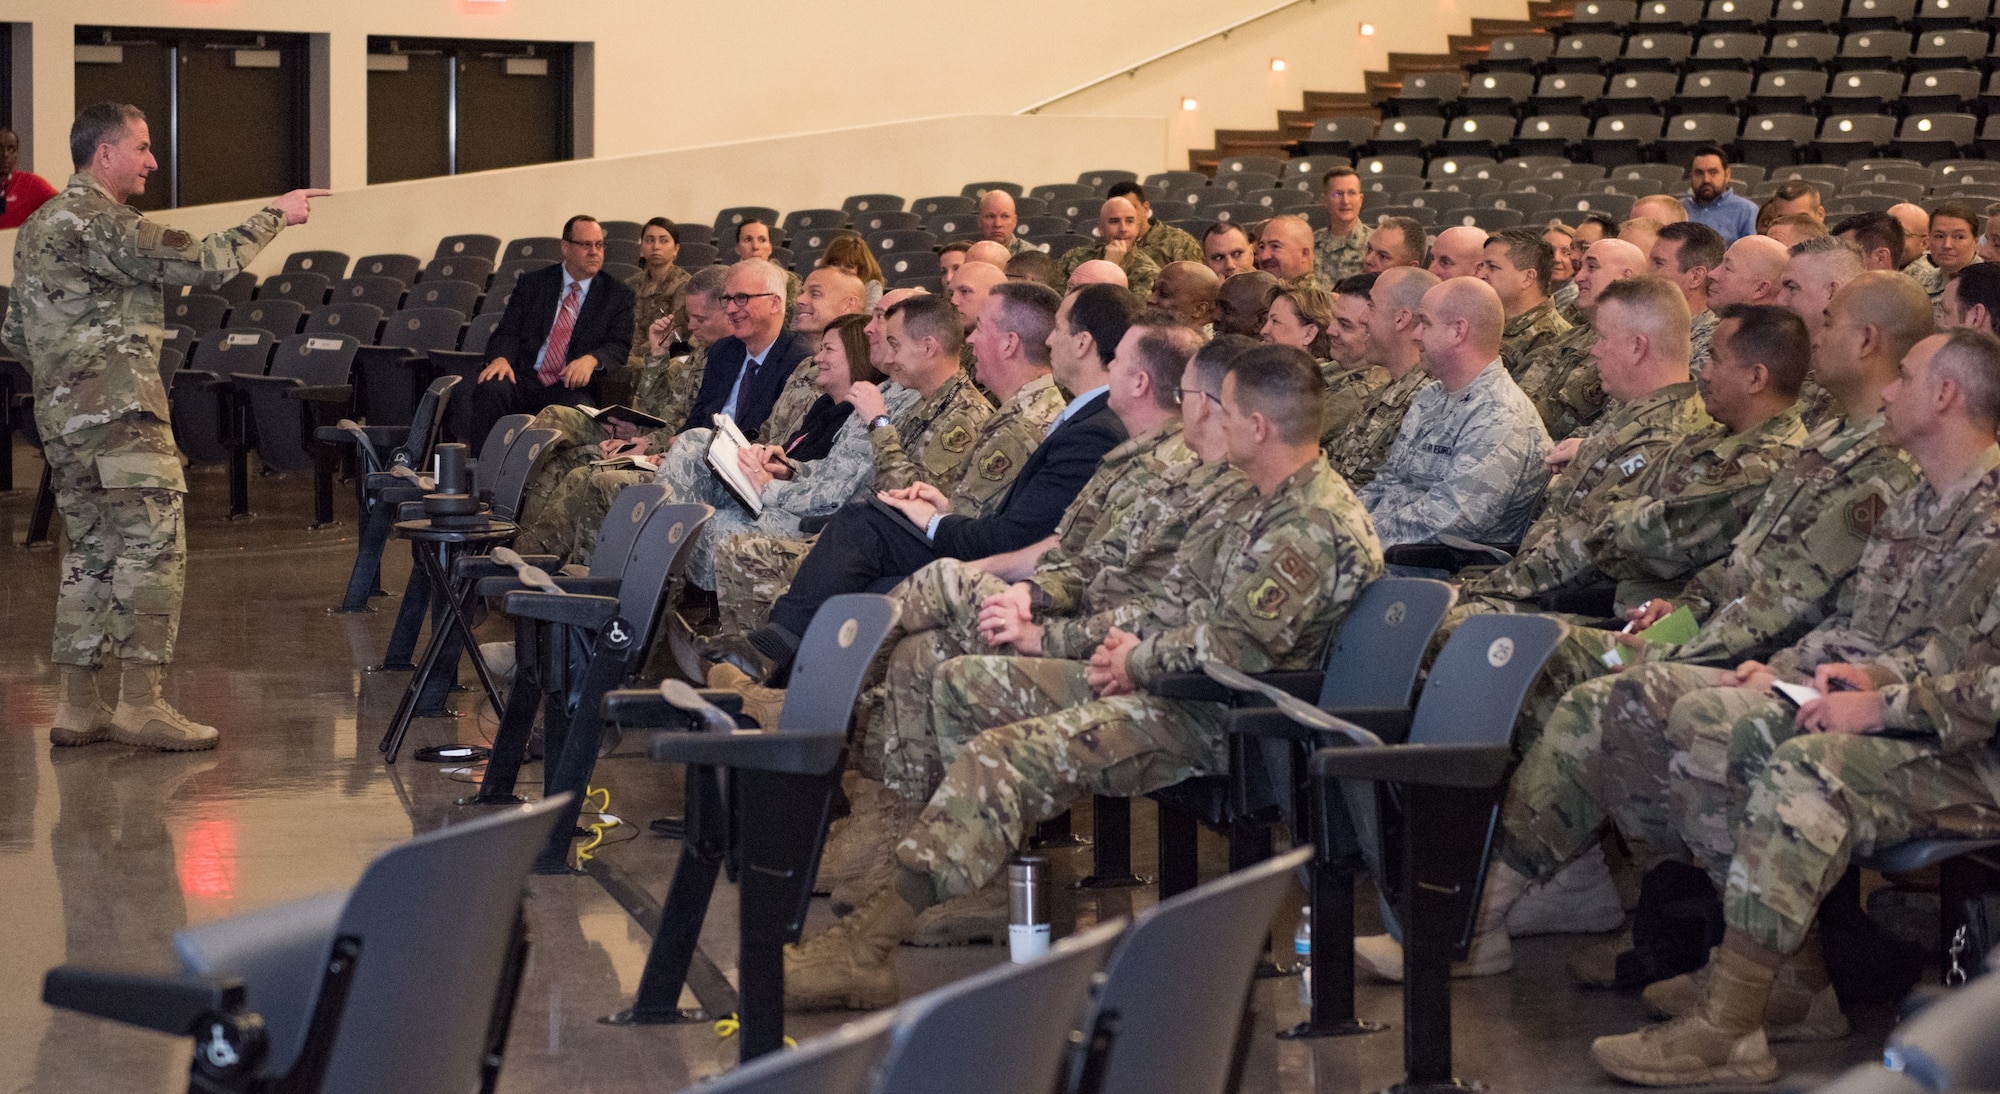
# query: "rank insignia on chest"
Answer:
x=1863 y=514
x=1294 y=569
x=995 y=466
x=956 y=439
x=1267 y=598
x=1633 y=464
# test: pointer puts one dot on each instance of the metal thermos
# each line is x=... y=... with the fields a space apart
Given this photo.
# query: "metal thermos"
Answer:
x=451 y=475
x=1027 y=907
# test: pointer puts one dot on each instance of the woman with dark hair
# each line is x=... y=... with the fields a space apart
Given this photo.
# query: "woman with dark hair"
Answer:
x=1301 y=318
x=659 y=288
x=851 y=254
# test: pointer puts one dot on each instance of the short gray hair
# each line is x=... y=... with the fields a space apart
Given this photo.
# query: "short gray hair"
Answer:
x=772 y=274
x=1971 y=359
x=708 y=283
x=99 y=124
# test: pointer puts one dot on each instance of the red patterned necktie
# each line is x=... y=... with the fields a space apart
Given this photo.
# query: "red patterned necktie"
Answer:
x=553 y=356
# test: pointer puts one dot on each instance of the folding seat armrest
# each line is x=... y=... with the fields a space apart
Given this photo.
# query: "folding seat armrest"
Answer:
x=753 y=750
x=1385 y=722
x=588 y=612
x=503 y=583
x=643 y=708
x=1472 y=767
x=169 y=1004
x=481 y=567
x=340 y=394
x=1199 y=686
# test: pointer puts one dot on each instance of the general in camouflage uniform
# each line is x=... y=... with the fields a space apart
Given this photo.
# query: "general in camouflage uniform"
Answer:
x=1335 y=257
x=1561 y=380
x=654 y=299
x=86 y=316
x=1469 y=463
x=1140 y=268
x=1527 y=333
x=1348 y=391
x=1783 y=576
x=1361 y=446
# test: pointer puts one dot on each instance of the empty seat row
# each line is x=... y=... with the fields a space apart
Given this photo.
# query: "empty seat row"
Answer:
x=1643 y=15
x=1715 y=90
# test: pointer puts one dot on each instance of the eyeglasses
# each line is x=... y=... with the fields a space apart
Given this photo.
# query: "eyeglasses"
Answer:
x=588 y=245
x=1181 y=395
x=743 y=299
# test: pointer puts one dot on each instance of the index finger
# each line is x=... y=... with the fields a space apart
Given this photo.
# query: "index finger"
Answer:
x=313 y=193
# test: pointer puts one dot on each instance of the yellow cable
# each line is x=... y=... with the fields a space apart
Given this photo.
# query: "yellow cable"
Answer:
x=601 y=805
x=729 y=1025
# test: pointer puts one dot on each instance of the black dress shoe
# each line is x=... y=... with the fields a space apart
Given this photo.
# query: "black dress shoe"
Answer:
x=748 y=659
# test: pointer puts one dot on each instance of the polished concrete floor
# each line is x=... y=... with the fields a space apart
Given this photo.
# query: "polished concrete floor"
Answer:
x=105 y=851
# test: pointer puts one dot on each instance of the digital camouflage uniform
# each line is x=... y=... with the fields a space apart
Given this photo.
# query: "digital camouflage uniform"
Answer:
x=1784 y=574
x=1528 y=332
x=1469 y=462
x=1361 y=446
x=1140 y=269
x=653 y=299
x=1931 y=279
x=1287 y=572
x=1564 y=297
x=86 y=317
x=1701 y=340
x=1335 y=258
x=1347 y=392
x=1166 y=244
x=1561 y=380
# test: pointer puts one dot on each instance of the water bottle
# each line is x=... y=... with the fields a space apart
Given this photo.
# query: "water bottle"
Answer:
x=1302 y=947
x=1028 y=926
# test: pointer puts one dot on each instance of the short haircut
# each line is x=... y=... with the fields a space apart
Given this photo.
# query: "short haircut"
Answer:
x=1677 y=213
x=1701 y=245
x=1415 y=246
x=663 y=224
x=1971 y=358
x=771 y=275
x=1360 y=284
x=1707 y=150
x=1284 y=385
x=1979 y=283
x=851 y=252
x=956 y=247
x=1212 y=361
x=1657 y=305
x=1314 y=306
x=1839 y=251
x=1774 y=337
x=1224 y=226
x=1411 y=295
x=1033 y=266
x=1028 y=311
x=98 y=124
x=1794 y=189
x=1957 y=210
x=1527 y=250
x=1810 y=225
x=1129 y=190
x=1874 y=232
x=745 y=223
x=932 y=317
x=708 y=283
x=1332 y=173
x=1602 y=220
x=852 y=330
x=1106 y=312
x=1165 y=348
x=569 y=226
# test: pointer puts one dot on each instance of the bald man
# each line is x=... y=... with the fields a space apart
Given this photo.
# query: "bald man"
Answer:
x=1097 y=271
x=1470 y=457
x=997 y=221
x=1662 y=209
x=1456 y=251
x=989 y=252
x=1243 y=302
x=1561 y=378
x=1751 y=272
x=969 y=288
x=1285 y=251
x=1188 y=290
x=1118 y=228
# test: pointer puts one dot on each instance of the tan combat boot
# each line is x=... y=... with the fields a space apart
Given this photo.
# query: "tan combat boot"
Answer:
x=852 y=964
x=977 y=917
x=1803 y=1006
x=1722 y=1042
x=861 y=847
x=145 y=720
x=1492 y=951
x=81 y=717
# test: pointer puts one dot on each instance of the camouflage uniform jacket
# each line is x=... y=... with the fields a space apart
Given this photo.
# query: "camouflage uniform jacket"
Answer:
x=1701 y=341
x=1004 y=442
x=1469 y=462
x=1561 y=380
x=665 y=387
x=1565 y=301
x=1338 y=257
x=1788 y=566
x=1311 y=279
x=87 y=309
x=1124 y=474
x=1929 y=278
x=1930 y=562
x=930 y=442
x=1358 y=451
x=1347 y=394
x=1166 y=244
x=818 y=487
x=1679 y=516
x=1816 y=405
x=1282 y=576
x=794 y=402
x=1950 y=684
x=1528 y=332
x=653 y=299
x=1140 y=269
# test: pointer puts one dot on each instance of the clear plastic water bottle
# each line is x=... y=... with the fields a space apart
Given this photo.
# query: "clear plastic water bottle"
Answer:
x=1302 y=948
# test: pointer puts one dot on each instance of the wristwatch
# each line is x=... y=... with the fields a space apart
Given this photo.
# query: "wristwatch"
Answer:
x=878 y=422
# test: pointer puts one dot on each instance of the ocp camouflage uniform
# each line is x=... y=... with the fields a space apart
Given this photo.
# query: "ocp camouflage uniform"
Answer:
x=652 y=301
x=665 y=387
x=1816 y=404
x=1561 y=380
x=1528 y=332
x=1166 y=244
x=1341 y=256
x=1359 y=448
x=86 y=317
x=1287 y=577
x=1469 y=462
x=1565 y=301
x=1701 y=340
x=1784 y=574
x=1347 y=393
x=1311 y=279
x=1140 y=269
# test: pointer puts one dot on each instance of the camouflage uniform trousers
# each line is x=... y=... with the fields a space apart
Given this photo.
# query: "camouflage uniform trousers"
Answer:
x=938 y=622
x=566 y=523
x=751 y=573
x=544 y=518
x=1002 y=776
x=1824 y=798
x=120 y=489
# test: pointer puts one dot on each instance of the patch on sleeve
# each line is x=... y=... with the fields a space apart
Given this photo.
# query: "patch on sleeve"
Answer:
x=156 y=240
x=1863 y=514
x=995 y=466
x=1295 y=569
x=1267 y=598
x=957 y=438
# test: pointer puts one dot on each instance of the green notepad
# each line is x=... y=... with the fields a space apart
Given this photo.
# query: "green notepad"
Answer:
x=1678 y=627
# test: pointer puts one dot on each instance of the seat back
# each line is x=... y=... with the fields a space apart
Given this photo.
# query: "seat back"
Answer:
x=1376 y=654
x=1952 y=1044
x=401 y=267
x=360 y=320
x=284 y=426
x=280 y=317
x=202 y=311
x=620 y=529
x=538 y=249
x=315 y=360
x=1023 y=1015
x=627 y=231
x=480 y=330
x=472 y=245
x=383 y=292
x=492 y=452
x=977 y=190
x=423 y=328
x=472 y=268
x=234 y=350
x=832 y=659
x=655 y=557
x=308 y=289
x=517 y=467
x=1166 y=1017
x=427 y=420
x=332 y=264
x=459 y=296
x=237 y=289
x=839 y=1062
x=1475 y=687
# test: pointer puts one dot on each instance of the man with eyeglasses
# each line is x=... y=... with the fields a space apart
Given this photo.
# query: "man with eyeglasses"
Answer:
x=746 y=370
x=562 y=323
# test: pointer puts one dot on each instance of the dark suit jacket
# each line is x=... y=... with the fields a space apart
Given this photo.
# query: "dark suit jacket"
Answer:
x=725 y=367
x=603 y=326
x=1046 y=484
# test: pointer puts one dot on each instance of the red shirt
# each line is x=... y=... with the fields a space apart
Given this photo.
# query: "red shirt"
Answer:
x=25 y=193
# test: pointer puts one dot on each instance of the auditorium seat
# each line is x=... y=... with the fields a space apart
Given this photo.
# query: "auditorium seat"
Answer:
x=402 y=267
x=468 y=268
x=333 y=264
x=863 y=203
x=542 y=250
x=472 y=245
x=383 y=292
x=359 y=320
x=280 y=317
x=728 y=220
x=203 y=312
x=307 y=289
x=459 y=296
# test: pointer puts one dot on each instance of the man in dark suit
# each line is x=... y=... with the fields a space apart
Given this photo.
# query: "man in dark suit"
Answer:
x=560 y=326
x=747 y=370
x=871 y=546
